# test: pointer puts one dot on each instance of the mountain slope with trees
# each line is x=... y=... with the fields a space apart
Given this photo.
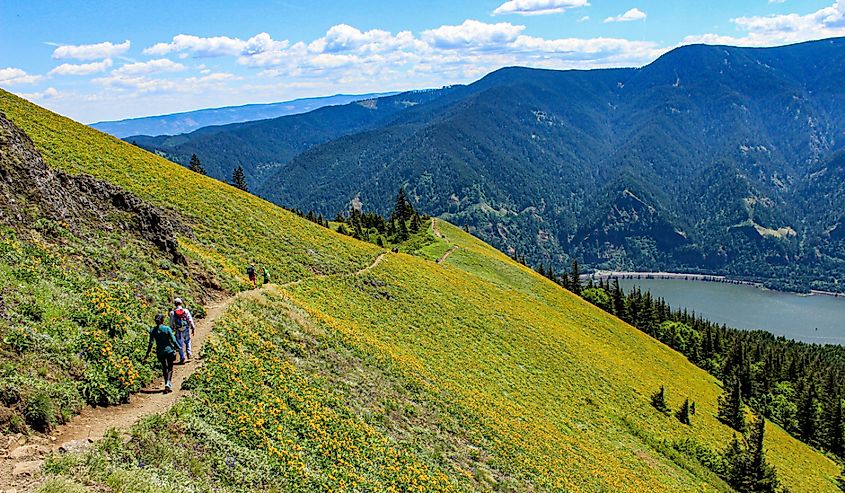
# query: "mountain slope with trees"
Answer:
x=702 y=161
x=476 y=374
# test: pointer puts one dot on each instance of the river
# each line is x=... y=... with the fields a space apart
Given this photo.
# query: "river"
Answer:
x=816 y=319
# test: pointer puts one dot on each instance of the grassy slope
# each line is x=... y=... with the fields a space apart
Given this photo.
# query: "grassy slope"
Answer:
x=471 y=375
x=559 y=389
x=232 y=228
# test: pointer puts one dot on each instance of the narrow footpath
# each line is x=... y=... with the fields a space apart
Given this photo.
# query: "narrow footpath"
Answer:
x=21 y=465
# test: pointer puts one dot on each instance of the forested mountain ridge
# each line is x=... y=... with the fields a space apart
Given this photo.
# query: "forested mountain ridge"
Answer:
x=262 y=147
x=188 y=121
x=705 y=160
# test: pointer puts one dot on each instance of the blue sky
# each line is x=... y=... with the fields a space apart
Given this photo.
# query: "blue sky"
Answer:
x=99 y=60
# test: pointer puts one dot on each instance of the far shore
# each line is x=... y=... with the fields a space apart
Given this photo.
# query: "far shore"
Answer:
x=607 y=275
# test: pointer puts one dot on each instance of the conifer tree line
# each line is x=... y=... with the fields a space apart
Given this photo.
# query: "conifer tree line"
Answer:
x=794 y=384
x=742 y=464
x=403 y=222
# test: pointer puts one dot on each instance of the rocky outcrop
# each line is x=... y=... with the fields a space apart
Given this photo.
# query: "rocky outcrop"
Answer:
x=25 y=180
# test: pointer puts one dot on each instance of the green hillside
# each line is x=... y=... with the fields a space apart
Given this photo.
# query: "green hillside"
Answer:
x=475 y=374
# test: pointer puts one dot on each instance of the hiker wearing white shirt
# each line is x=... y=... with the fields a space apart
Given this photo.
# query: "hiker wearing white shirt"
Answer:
x=182 y=323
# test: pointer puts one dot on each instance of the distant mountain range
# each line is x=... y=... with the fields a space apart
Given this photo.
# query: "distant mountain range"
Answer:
x=710 y=159
x=179 y=123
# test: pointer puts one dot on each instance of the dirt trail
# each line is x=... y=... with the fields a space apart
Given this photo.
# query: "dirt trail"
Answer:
x=19 y=468
x=436 y=230
x=93 y=422
x=446 y=255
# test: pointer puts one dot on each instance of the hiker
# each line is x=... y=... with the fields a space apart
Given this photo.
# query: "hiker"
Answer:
x=250 y=271
x=166 y=346
x=183 y=325
x=266 y=275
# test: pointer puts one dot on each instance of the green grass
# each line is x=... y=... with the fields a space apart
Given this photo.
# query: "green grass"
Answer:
x=232 y=227
x=474 y=375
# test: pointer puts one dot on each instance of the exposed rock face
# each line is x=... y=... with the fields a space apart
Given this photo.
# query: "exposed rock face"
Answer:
x=26 y=180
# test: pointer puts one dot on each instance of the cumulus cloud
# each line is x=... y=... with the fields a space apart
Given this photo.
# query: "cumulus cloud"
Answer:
x=149 y=67
x=472 y=34
x=777 y=29
x=634 y=14
x=96 y=51
x=82 y=68
x=538 y=7
x=10 y=76
x=215 y=46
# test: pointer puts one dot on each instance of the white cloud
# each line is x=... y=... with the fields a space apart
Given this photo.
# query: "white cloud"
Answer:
x=82 y=68
x=49 y=93
x=771 y=30
x=538 y=7
x=584 y=18
x=91 y=52
x=216 y=46
x=158 y=65
x=634 y=14
x=472 y=34
x=140 y=84
x=10 y=76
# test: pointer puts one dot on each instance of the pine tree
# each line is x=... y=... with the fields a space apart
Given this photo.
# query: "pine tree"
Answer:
x=239 y=179
x=401 y=208
x=658 y=400
x=195 y=165
x=575 y=278
x=807 y=413
x=747 y=469
x=403 y=230
x=832 y=417
x=763 y=477
x=416 y=223
x=341 y=228
x=684 y=412
x=731 y=409
x=618 y=300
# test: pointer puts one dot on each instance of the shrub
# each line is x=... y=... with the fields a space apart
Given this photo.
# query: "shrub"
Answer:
x=39 y=412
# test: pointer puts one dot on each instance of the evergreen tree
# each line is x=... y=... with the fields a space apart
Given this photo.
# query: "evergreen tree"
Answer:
x=658 y=400
x=575 y=278
x=763 y=477
x=832 y=417
x=684 y=412
x=341 y=228
x=731 y=409
x=416 y=223
x=239 y=179
x=807 y=413
x=195 y=165
x=402 y=210
x=618 y=300
x=840 y=481
x=402 y=235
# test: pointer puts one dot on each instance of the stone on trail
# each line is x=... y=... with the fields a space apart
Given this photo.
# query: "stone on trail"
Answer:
x=29 y=468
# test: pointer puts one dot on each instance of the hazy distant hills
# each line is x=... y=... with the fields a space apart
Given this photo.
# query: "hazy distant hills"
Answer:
x=711 y=158
x=178 y=123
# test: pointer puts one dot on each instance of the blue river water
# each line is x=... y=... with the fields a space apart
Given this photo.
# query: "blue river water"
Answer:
x=810 y=318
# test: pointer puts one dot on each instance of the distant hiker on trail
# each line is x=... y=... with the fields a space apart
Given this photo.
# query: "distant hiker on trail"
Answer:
x=250 y=271
x=166 y=346
x=183 y=324
x=266 y=275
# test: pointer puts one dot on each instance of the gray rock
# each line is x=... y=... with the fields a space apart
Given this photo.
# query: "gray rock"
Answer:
x=28 y=451
x=28 y=468
x=76 y=446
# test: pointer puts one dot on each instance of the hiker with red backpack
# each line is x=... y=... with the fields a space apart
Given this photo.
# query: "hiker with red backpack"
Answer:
x=182 y=324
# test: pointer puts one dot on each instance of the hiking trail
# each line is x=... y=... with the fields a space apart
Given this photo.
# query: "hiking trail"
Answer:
x=436 y=230
x=20 y=467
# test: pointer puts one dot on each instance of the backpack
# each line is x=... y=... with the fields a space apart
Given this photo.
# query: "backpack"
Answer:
x=250 y=271
x=180 y=319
